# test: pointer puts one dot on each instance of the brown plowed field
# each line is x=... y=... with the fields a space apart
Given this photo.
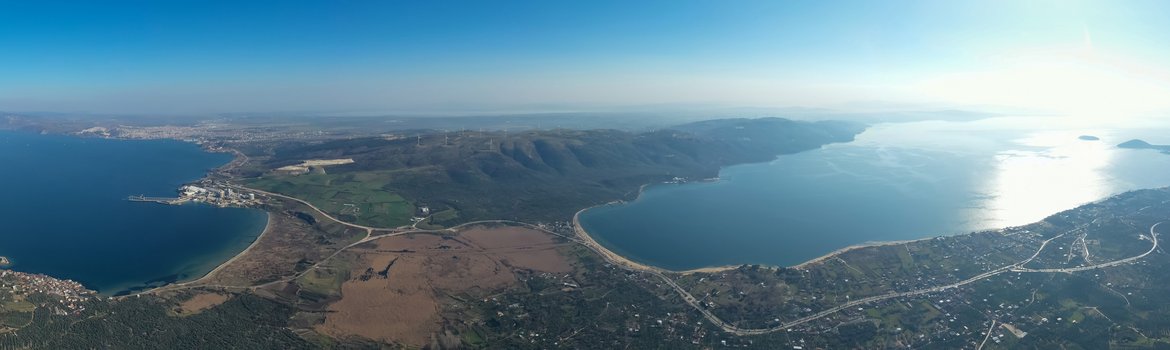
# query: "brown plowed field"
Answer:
x=399 y=282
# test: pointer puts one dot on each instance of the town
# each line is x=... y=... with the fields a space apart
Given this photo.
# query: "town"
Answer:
x=22 y=293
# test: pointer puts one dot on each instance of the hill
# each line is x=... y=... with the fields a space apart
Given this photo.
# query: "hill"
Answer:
x=1140 y=144
x=540 y=175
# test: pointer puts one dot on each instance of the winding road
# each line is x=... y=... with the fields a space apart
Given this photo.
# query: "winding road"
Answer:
x=310 y=205
x=687 y=297
x=1153 y=237
x=1017 y=267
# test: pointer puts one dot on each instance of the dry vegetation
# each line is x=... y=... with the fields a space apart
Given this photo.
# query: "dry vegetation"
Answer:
x=397 y=290
x=295 y=237
x=200 y=302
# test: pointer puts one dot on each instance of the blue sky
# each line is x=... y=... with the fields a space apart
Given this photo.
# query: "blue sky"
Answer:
x=464 y=56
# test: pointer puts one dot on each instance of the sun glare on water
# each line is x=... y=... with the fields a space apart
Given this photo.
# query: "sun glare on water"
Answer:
x=1052 y=171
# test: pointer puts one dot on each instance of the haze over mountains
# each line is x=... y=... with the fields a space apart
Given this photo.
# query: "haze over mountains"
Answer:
x=602 y=174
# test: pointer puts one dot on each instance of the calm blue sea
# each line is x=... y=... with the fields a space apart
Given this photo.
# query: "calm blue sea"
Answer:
x=895 y=182
x=63 y=211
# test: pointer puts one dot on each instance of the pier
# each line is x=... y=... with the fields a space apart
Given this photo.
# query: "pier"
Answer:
x=162 y=200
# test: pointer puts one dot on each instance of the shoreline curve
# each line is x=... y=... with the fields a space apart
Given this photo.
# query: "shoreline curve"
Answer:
x=267 y=228
x=616 y=258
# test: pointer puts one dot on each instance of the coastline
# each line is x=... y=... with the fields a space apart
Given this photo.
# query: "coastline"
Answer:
x=202 y=279
x=267 y=227
x=238 y=159
x=196 y=266
x=609 y=255
x=616 y=258
x=850 y=248
x=195 y=277
x=619 y=259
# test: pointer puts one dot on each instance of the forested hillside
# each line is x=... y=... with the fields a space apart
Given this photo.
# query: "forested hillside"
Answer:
x=545 y=174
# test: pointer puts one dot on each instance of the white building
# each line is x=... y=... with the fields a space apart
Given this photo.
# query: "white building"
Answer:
x=192 y=190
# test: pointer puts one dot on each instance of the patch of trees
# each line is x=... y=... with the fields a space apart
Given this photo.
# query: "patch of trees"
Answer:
x=244 y=322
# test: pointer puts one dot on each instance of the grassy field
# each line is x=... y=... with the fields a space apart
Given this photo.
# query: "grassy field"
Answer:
x=327 y=279
x=16 y=313
x=354 y=197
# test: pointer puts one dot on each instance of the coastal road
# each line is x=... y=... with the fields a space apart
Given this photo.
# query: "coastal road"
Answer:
x=1009 y=268
x=1153 y=237
x=694 y=302
x=369 y=230
x=589 y=243
x=200 y=284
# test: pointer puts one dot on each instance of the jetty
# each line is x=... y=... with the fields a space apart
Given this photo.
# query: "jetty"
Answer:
x=161 y=200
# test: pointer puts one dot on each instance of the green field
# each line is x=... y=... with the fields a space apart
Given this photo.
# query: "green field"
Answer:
x=16 y=313
x=359 y=198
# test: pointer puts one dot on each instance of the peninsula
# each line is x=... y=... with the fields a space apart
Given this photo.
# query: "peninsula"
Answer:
x=475 y=233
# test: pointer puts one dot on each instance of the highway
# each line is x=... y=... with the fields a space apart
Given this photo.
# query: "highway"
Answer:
x=368 y=229
x=199 y=283
x=1017 y=267
x=687 y=297
x=1153 y=237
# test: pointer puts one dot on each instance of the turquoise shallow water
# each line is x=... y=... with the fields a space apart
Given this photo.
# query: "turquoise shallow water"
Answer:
x=896 y=182
x=64 y=211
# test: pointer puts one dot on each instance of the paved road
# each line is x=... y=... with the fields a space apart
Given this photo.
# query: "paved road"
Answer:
x=199 y=284
x=310 y=205
x=1009 y=268
x=687 y=297
x=1153 y=237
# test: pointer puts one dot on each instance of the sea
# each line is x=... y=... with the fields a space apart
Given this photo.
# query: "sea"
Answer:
x=896 y=181
x=64 y=211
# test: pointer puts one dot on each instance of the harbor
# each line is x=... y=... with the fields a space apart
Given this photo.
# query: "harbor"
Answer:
x=218 y=194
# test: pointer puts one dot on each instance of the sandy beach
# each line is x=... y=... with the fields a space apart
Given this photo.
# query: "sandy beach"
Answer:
x=853 y=247
x=616 y=258
x=606 y=253
x=621 y=260
x=267 y=227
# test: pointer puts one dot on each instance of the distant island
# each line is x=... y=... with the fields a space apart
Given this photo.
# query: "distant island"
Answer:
x=1089 y=138
x=1139 y=144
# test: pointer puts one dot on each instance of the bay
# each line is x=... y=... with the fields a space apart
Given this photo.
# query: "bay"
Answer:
x=64 y=213
x=895 y=182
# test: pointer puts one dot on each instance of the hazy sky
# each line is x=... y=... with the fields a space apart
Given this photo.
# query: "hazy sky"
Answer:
x=437 y=56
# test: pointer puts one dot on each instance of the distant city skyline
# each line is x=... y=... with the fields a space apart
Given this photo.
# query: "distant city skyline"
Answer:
x=1088 y=58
